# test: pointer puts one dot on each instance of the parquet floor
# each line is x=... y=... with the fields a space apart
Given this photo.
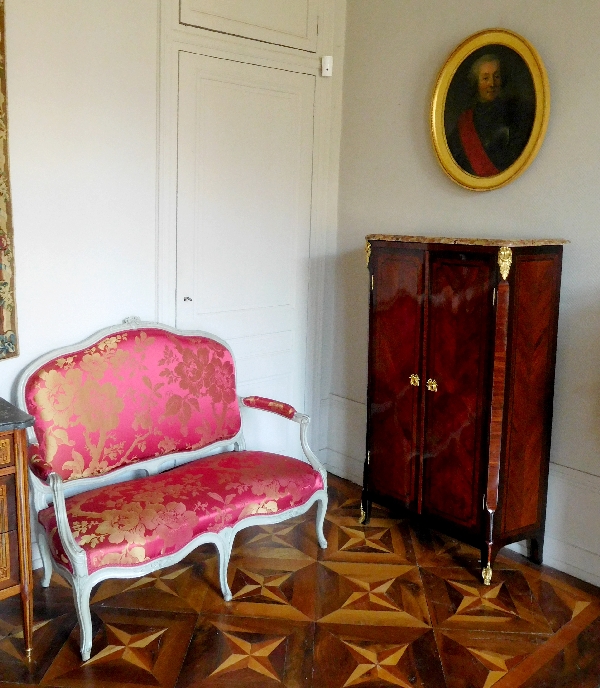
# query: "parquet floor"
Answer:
x=385 y=605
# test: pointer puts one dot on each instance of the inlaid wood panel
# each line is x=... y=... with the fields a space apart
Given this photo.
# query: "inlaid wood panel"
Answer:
x=248 y=652
x=8 y=508
x=497 y=400
x=9 y=560
x=534 y=311
x=458 y=359
x=377 y=656
x=7 y=457
x=458 y=599
x=482 y=658
x=395 y=355
x=131 y=648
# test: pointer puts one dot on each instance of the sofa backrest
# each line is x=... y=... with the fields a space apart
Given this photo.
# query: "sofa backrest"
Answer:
x=132 y=395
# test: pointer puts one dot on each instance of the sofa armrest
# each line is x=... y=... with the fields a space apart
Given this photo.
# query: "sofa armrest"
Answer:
x=270 y=405
x=75 y=553
x=289 y=412
x=39 y=467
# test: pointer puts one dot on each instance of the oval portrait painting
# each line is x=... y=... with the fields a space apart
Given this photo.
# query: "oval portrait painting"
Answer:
x=490 y=110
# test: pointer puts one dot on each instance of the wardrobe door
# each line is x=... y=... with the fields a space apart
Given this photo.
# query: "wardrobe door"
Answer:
x=396 y=328
x=458 y=363
x=292 y=23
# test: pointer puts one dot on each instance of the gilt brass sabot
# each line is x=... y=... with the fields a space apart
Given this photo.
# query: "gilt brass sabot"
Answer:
x=363 y=515
x=504 y=261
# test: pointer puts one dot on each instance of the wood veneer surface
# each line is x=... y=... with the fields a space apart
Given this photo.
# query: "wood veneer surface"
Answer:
x=397 y=298
x=388 y=604
x=456 y=418
x=536 y=286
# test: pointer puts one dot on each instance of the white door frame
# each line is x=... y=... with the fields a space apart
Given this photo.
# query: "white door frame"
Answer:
x=175 y=38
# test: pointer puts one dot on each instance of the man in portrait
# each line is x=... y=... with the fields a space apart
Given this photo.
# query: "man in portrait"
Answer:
x=493 y=131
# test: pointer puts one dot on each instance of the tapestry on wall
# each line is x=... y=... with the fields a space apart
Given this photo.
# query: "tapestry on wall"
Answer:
x=8 y=315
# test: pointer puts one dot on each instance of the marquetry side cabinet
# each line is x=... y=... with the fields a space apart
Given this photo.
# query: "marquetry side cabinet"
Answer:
x=462 y=347
x=15 y=541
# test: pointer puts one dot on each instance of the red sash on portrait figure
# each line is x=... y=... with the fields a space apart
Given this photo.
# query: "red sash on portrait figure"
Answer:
x=480 y=163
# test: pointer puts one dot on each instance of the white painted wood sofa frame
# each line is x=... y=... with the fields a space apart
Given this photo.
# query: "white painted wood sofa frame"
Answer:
x=57 y=491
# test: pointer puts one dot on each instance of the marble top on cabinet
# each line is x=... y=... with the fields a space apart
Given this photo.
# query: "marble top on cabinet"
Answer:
x=466 y=242
x=12 y=418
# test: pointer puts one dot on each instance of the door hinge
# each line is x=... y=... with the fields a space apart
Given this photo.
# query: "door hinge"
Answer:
x=494 y=297
x=371 y=282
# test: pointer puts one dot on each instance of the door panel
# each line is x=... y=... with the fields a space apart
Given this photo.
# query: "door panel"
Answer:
x=291 y=23
x=396 y=336
x=458 y=355
x=243 y=223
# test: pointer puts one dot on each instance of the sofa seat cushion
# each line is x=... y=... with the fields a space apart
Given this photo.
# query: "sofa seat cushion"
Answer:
x=134 y=522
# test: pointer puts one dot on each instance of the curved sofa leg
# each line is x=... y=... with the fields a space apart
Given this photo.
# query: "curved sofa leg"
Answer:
x=46 y=557
x=321 y=509
x=81 y=596
x=224 y=545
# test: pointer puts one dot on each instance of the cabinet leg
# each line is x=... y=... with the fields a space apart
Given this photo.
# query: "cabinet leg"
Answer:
x=24 y=537
x=488 y=551
x=535 y=549
x=27 y=611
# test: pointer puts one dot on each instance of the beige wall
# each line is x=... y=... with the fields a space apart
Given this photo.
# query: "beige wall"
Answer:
x=391 y=182
x=82 y=104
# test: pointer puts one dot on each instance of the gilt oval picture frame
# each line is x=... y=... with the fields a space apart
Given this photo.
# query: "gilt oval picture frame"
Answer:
x=490 y=110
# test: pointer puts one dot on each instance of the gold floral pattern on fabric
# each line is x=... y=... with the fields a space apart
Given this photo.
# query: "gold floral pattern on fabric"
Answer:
x=137 y=521
x=133 y=395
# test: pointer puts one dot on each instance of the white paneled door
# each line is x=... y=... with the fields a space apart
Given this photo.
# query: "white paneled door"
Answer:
x=284 y=22
x=245 y=143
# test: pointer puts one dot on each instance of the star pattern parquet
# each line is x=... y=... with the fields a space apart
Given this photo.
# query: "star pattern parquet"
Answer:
x=386 y=604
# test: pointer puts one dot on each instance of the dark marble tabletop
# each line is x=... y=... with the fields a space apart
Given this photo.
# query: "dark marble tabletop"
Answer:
x=12 y=418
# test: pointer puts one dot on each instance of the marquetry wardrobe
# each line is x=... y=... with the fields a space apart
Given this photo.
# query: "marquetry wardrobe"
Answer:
x=461 y=373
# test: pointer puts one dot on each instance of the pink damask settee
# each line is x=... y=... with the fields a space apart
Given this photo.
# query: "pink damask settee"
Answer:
x=137 y=456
